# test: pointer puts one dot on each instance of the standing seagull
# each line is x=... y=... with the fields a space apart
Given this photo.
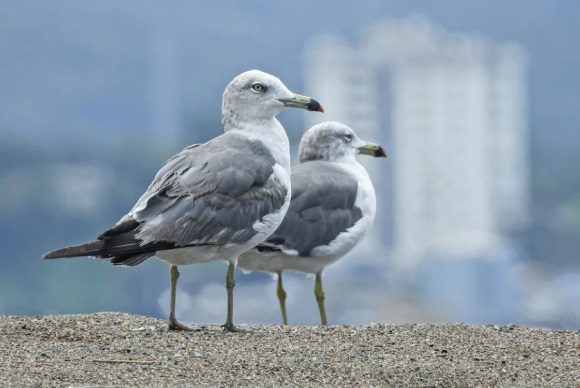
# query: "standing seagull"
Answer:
x=333 y=207
x=214 y=200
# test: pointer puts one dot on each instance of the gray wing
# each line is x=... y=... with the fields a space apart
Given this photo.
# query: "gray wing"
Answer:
x=211 y=193
x=322 y=206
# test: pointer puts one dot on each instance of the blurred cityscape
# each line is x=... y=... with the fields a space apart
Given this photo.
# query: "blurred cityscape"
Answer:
x=452 y=111
x=478 y=203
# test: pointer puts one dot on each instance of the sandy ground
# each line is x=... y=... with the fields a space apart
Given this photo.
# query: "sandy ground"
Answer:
x=114 y=349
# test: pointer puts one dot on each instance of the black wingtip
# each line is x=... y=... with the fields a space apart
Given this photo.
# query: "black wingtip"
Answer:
x=56 y=254
x=92 y=248
x=59 y=254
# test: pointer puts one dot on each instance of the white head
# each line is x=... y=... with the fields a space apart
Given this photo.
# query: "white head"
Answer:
x=255 y=95
x=334 y=141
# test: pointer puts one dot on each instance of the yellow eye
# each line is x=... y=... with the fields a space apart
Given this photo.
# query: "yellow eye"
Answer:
x=258 y=87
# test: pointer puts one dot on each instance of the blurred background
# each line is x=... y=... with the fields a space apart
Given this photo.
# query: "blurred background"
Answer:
x=477 y=104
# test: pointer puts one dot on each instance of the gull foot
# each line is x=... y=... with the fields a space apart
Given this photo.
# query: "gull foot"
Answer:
x=229 y=327
x=174 y=325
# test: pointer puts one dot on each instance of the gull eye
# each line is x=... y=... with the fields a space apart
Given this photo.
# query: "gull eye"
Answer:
x=348 y=137
x=258 y=87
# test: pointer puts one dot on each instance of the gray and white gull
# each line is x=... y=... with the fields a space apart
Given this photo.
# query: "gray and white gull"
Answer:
x=333 y=206
x=216 y=200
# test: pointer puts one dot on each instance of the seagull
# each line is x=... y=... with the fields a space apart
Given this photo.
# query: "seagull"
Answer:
x=333 y=206
x=212 y=201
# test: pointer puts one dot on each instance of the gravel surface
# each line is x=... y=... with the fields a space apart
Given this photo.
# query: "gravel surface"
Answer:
x=114 y=349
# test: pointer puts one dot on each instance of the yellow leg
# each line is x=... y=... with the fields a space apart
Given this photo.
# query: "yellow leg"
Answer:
x=282 y=298
x=172 y=322
x=319 y=293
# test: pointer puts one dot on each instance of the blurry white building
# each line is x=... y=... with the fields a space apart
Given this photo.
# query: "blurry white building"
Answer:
x=451 y=112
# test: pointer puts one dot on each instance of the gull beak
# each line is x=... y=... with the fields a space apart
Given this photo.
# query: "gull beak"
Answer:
x=373 y=149
x=303 y=102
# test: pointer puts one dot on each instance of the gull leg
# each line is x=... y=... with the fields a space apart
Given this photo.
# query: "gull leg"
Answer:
x=282 y=298
x=230 y=284
x=172 y=322
x=319 y=293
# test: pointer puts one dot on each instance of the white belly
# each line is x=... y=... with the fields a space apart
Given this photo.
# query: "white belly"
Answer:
x=279 y=261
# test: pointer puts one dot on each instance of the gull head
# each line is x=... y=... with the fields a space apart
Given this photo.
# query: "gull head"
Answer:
x=334 y=141
x=255 y=95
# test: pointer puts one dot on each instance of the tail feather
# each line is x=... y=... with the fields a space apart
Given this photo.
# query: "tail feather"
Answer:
x=131 y=260
x=118 y=244
x=122 y=249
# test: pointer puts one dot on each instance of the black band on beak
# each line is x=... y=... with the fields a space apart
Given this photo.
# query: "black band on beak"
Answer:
x=314 y=106
x=380 y=153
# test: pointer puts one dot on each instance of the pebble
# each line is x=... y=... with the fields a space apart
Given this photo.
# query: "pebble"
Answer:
x=116 y=349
